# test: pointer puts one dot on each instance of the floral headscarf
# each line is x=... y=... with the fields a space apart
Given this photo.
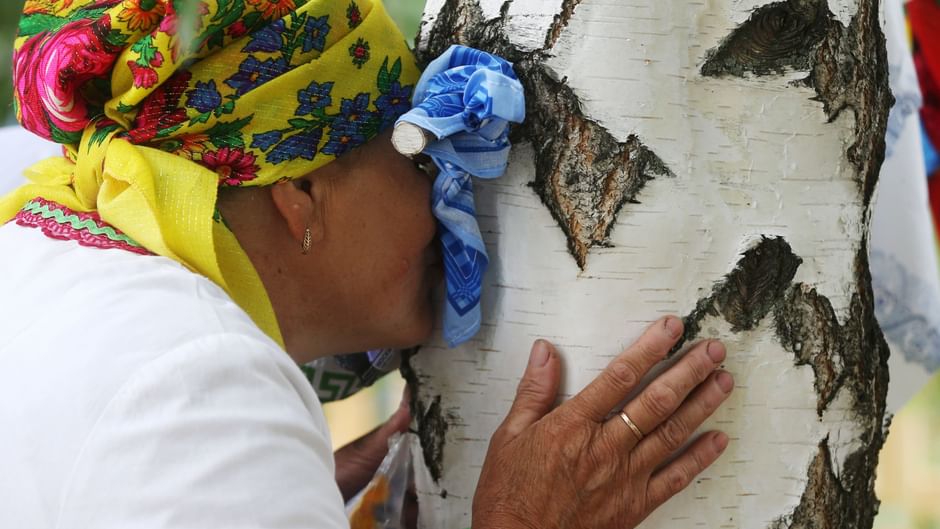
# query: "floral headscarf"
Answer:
x=159 y=102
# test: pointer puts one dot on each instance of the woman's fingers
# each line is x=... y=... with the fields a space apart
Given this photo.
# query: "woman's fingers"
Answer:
x=357 y=462
x=624 y=372
x=663 y=396
x=536 y=393
x=677 y=475
x=675 y=431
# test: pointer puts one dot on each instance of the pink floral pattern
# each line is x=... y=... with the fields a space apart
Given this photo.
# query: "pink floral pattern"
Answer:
x=49 y=69
x=233 y=166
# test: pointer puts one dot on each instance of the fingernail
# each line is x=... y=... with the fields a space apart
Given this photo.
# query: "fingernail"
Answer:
x=540 y=354
x=716 y=351
x=673 y=326
x=720 y=441
x=725 y=381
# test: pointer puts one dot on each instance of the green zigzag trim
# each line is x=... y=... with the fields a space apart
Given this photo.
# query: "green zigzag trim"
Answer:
x=78 y=223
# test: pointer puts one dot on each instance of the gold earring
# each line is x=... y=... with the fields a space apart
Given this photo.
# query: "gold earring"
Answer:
x=308 y=238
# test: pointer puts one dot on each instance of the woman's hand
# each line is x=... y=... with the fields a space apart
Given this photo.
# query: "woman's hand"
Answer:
x=357 y=462
x=578 y=466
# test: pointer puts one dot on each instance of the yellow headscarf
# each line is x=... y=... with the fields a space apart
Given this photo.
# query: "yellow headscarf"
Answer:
x=159 y=102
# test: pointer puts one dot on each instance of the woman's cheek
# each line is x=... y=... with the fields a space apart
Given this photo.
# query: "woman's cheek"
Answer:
x=402 y=271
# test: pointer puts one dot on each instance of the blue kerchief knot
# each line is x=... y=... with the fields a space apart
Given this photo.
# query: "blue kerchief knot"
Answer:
x=466 y=98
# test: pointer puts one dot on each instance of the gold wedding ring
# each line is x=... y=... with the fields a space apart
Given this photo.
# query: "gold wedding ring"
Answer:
x=632 y=425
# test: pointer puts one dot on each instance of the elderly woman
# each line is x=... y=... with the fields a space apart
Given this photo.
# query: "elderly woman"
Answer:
x=229 y=206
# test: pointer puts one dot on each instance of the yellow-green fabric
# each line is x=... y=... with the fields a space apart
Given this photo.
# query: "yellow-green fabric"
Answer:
x=159 y=102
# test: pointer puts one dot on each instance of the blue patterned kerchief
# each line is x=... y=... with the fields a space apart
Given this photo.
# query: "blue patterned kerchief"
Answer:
x=466 y=98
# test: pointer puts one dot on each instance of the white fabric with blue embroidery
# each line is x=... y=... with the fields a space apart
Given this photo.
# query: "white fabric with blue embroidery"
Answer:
x=905 y=277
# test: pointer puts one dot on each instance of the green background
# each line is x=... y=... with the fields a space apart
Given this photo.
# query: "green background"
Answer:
x=9 y=15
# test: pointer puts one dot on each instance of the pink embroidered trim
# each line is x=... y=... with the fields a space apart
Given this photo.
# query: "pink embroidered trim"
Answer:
x=87 y=229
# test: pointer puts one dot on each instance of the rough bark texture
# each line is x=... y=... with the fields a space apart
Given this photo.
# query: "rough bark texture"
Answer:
x=584 y=175
x=790 y=298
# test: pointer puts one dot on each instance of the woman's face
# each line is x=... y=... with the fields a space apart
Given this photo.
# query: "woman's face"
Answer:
x=379 y=257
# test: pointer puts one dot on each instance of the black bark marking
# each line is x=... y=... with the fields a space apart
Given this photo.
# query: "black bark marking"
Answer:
x=804 y=321
x=820 y=501
x=432 y=427
x=426 y=411
x=850 y=501
x=807 y=326
x=560 y=22
x=584 y=176
x=852 y=357
x=850 y=72
x=848 y=67
x=750 y=290
x=776 y=37
x=428 y=416
x=755 y=284
x=833 y=501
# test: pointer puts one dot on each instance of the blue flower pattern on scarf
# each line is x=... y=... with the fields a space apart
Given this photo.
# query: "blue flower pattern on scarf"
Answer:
x=205 y=97
x=253 y=73
x=466 y=98
x=315 y=96
x=265 y=140
x=346 y=132
x=315 y=31
x=393 y=103
x=268 y=39
x=300 y=145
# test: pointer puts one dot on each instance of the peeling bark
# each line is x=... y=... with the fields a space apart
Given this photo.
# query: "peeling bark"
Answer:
x=851 y=73
x=584 y=176
x=751 y=290
x=807 y=326
x=846 y=66
x=819 y=505
x=831 y=502
x=430 y=419
x=776 y=38
x=853 y=356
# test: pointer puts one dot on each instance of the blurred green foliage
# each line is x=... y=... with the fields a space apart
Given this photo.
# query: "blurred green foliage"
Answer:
x=9 y=15
x=407 y=13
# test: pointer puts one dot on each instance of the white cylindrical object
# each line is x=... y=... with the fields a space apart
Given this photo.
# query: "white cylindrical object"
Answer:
x=410 y=139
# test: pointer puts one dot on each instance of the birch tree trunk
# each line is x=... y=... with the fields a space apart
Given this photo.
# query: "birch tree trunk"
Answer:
x=710 y=158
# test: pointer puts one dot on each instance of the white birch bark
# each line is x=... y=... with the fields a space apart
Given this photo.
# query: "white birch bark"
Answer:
x=713 y=159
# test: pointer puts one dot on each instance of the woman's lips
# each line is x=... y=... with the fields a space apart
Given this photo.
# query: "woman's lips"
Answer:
x=433 y=256
x=435 y=263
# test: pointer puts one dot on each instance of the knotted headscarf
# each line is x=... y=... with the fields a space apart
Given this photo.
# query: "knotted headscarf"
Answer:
x=159 y=102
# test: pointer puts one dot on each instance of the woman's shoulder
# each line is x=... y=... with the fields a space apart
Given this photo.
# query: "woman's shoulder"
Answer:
x=113 y=296
x=105 y=352
x=90 y=318
x=214 y=432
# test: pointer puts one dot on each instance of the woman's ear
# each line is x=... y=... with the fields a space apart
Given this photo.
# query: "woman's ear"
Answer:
x=300 y=203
